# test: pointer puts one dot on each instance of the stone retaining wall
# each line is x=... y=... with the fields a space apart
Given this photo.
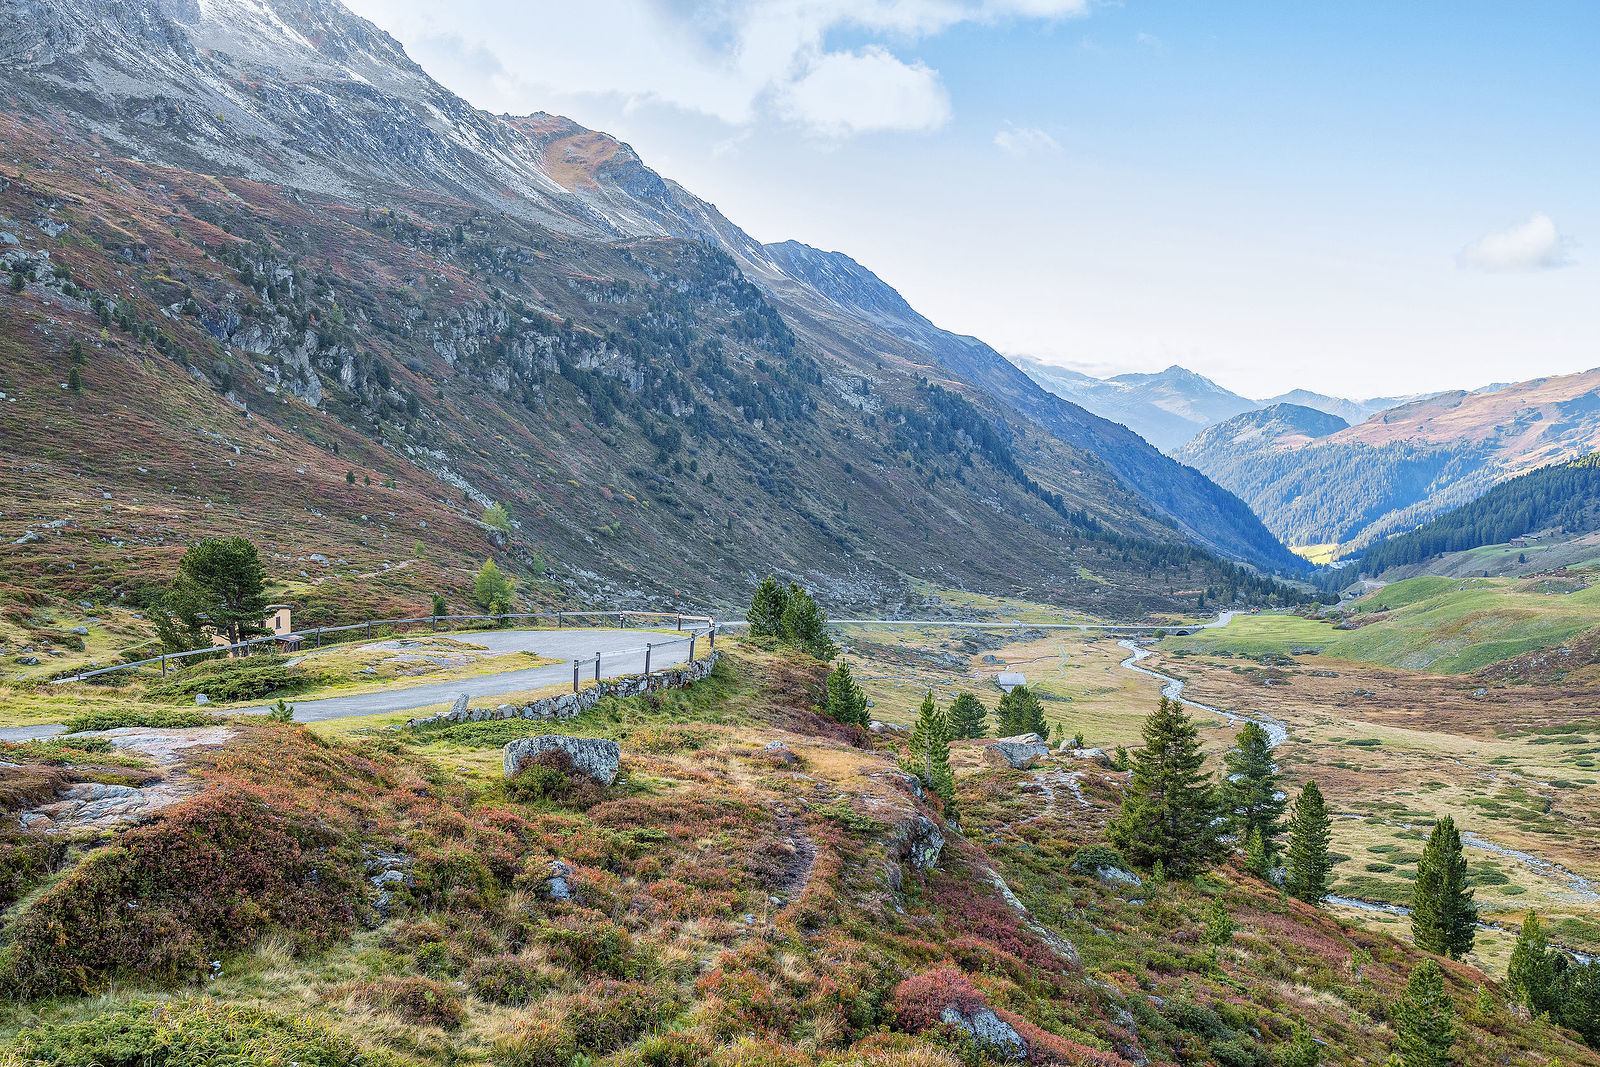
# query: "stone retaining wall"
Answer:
x=568 y=705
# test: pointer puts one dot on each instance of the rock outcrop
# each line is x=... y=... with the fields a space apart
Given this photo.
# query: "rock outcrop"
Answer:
x=593 y=756
x=1021 y=751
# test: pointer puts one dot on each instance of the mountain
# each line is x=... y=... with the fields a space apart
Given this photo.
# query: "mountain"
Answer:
x=1548 y=506
x=308 y=295
x=1402 y=466
x=1166 y=409
x=1351 y=411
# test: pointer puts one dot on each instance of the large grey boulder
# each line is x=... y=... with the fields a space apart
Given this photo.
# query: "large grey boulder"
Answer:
x=1021 y=751
x=593 y=756
x=987 y=1029
x=458 y=710
x=917 y=840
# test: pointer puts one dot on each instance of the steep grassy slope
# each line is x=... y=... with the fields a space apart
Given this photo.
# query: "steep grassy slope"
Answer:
x=304 y=94
x=351 y=386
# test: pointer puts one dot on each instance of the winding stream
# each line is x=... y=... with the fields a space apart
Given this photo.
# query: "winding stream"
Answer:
x=1277 y=732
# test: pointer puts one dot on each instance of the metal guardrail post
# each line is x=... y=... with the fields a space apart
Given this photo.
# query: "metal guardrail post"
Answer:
x=711 y=635
x=647 y=658
x=560 y=619
x=319 y=637
x=574 y=676
x=691 y=648
x=680 y=623
x=163 y=664
x=597 y=666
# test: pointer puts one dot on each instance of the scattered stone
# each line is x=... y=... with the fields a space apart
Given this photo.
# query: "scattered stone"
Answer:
x=778 y=752
x=918 y=840
x=596 y=757
x=201 y=699
x=988 y=1029
x=558 y=888
x=81 y=631
x=458 y=710
x=28 y=661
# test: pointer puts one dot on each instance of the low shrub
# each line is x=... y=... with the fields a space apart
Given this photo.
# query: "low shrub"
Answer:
x=672 y=1049
x=509 y=980
x=25 y=861
x=608 y=1014
x=191 y=1032
x=551 y=776
x=225 y=680
x=1091 y=858
x=589 y=946
x=536 y=1042
x=146 y=718
x=921 y=999
x=416 y=1000
x=211 y=874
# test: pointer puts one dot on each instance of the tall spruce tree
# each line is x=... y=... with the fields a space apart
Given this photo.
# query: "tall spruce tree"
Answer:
x=1250 y=788
x=845 y=700
x=1534 y=968
x=1309 y=832
x=1444 y=919
x=1424 y=1019
x=930 y=752
x=766 y=608
x=1020 y=712
x=968 y=717
x=1170 y=804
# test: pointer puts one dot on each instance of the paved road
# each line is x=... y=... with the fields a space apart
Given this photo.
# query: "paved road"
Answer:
x=565 y=645
x=974 y=624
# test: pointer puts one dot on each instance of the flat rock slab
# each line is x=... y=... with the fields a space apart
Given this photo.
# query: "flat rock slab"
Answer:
x=596 y=757
x=1020 y=752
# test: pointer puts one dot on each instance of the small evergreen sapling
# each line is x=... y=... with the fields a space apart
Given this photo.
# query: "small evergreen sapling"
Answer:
x=1424 y=1019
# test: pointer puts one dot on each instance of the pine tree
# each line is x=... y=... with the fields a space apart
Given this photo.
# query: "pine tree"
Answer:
x=845 y=701
x=1256 y=860
x=968 y=717
x=1020 y=712
x=1532 y=974
x=1309 y=832
x=1443 y=918
x=929 y=748
x=1424 y=1019
x=803 y=624
x=766 y=608
x=1250 y=788
x=1301 y=1051
x=74 y=380
x=1169 y=805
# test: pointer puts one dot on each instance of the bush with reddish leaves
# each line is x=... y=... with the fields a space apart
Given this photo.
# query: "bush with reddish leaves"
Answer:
x=590 y=946
x=921 y=999
x=416 y=1000
x=744 y=1002
x=551 y=776
x=209 y=875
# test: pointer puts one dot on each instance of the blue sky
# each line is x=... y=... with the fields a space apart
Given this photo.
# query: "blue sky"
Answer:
x=1360 y=198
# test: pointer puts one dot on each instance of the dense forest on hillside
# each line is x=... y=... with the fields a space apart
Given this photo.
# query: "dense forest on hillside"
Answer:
x=1565 y=497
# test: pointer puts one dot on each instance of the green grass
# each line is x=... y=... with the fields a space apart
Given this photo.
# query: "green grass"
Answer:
x=1448 y=625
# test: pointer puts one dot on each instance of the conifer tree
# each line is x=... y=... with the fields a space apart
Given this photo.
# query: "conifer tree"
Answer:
x=1424 y=1019
x=491 y=588
x=1443 y=917
x=803 y=625
x=1256 y=860
x=766 y=608
x=845 y=701
x=1250 y=788
x=1169 y=805
x=1533 y=971
x=930 y=752
x=1020 y=712
x=968 y=717
x=1301 y=1051
x=1309 y=832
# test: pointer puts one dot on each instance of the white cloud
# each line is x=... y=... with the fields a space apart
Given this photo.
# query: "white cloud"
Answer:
x=735 y=61
x=1025 y=141
x=842 y=93
x=1528 y=246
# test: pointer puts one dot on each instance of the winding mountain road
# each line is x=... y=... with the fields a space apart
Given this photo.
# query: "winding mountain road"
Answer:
x=621 y=652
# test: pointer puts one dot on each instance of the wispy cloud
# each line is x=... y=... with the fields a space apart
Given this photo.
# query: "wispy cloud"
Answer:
x=1528 y=246
x=1025 y=141
x=736 y=61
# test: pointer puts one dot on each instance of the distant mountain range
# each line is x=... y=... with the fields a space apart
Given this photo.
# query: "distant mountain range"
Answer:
x=1170 y=407
x=1316 y=481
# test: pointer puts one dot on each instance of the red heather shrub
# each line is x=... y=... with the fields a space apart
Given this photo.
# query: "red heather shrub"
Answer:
x=608 y=1014
x=1045 y=1047
x=921 y=999
x=416 y=1000
x=208 y=875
